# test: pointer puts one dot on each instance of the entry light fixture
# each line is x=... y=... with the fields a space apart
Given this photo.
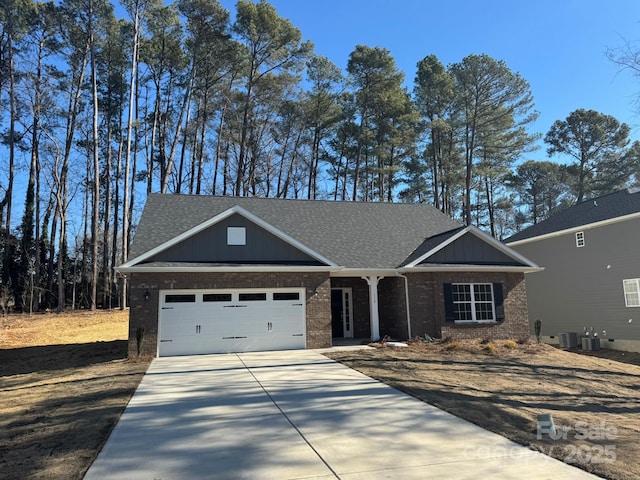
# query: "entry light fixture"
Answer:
x=146 y=295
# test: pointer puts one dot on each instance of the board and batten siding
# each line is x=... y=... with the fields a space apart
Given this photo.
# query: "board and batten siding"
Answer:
x=581 y=287
x=211 y=246
x=471 y=250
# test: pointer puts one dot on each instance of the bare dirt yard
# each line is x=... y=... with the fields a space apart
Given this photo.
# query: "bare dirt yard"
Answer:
x=64 y=382
x=503 y=385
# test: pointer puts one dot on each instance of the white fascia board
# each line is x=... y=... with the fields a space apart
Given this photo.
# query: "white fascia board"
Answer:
x=482 y=236
x=579 y=228
x=176 y=240
x=502 y=247
x=437 y=248
x=471 y=268
x=218 y=218
x=365 y=272
x=225 y=269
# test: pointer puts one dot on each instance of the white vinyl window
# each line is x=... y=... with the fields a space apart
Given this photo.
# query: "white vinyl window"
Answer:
x=631 y=292
x=473 y=302
x=579 y=239
x=236 y=236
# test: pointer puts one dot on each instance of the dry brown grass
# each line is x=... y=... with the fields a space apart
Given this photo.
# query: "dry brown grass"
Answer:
x=65 y=381
x=17 y=331
x=504 y=387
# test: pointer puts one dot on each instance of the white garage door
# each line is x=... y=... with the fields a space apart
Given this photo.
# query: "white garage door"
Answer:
x=223 y=321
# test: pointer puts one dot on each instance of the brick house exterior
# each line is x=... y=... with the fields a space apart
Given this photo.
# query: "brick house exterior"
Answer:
x=334 y=283
x=144 y=313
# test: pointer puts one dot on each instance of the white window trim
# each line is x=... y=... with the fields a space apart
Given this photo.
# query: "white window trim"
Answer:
x=473 y=304
x=580 y=239
x=634 y=282
x=236 y=236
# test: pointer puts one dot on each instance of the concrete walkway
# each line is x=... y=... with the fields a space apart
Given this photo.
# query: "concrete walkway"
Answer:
x=298 y=415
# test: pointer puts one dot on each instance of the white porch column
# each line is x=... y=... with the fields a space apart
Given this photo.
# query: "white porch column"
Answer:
x=372 y=281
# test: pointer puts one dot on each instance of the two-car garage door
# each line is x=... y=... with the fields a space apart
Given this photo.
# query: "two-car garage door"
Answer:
x=223 y=321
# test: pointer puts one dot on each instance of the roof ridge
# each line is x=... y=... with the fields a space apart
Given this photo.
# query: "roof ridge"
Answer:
x=299 y=200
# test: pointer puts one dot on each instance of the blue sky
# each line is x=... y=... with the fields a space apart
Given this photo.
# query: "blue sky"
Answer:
x=558 y=46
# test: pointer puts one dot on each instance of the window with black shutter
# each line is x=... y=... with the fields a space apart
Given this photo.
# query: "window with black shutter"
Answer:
x=473 y=302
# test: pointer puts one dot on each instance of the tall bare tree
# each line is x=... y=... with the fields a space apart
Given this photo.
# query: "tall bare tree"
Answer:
x=273 y=45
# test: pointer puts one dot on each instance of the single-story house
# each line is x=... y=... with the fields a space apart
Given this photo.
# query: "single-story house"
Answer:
x=591 y=281
x=213 y=274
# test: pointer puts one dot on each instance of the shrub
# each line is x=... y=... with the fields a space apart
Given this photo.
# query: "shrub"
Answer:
x=537 y=325
x=510 y=344
x=139 y=339
x=452 y=345
x=489 y=347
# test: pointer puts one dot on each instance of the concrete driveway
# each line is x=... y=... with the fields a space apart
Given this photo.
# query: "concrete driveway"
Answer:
x=298 y=415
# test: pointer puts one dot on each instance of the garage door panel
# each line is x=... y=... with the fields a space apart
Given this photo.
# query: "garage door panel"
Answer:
x=195 y=322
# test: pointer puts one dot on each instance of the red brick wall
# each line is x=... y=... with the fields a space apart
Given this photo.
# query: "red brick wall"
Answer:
x=393 y=308
x=428 y=314
x=144 y=313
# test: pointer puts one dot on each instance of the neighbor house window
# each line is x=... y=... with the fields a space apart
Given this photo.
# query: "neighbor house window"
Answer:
x=236 y=236
x=473 y=302
x=632 y=292
x=579 y=239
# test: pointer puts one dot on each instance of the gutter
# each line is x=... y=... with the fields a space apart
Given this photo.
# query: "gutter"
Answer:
x=471 y=268
x=226 y=269
x=578 y=228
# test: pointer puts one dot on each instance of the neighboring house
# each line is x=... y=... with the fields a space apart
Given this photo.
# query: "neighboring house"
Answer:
x=591 y=281
x=227 y=274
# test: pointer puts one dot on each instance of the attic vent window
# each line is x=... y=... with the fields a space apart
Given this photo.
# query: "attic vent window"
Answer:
x=236 y=236
x=579 y=239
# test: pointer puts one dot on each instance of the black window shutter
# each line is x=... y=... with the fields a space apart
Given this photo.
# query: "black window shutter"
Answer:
x=449 y=312
x=498 y=301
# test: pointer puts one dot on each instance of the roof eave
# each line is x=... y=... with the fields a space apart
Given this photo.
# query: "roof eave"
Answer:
x=586 y=226
x=236 y=209
x=365 y=272
x=225 y=269
x=505 y=249
x=472 y=268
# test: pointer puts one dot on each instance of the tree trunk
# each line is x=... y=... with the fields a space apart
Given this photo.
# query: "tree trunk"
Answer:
x=95 y=215
x=127 y=166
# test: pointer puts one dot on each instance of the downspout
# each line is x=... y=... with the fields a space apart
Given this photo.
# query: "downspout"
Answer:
x=406 y=296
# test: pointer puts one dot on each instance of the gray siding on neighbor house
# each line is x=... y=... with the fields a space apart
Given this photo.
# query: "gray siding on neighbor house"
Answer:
x=211 y=246
x=470 y=250
x=582 y=287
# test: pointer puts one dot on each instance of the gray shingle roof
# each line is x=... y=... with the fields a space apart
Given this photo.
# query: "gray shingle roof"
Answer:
x=351 y=234
x=607 y=207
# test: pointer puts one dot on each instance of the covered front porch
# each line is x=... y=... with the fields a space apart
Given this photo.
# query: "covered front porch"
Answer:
x=368 y=308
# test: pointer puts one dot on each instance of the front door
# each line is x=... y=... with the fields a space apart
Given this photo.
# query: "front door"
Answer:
x=341 y=313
